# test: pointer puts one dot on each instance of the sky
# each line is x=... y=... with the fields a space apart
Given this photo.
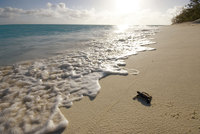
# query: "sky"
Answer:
x=114 y=12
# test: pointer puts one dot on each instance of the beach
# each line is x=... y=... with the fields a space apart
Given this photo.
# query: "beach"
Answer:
x=33 y=90
x=170 y=74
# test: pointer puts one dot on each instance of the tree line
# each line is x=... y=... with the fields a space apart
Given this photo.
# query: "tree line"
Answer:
x=190 y=12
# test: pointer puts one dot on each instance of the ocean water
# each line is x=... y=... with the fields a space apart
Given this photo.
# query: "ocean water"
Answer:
x=45 y=67
x=28 y=42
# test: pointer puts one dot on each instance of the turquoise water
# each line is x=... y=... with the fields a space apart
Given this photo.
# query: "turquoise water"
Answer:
x=27 y=42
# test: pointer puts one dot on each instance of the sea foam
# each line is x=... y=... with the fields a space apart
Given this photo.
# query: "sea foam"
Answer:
x=31 y=93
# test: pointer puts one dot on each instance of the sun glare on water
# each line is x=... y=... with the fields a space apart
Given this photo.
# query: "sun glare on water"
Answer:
x=127 y=6
x=121 y=28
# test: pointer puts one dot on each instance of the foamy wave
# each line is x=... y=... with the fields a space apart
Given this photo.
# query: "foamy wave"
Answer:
x=32 y=92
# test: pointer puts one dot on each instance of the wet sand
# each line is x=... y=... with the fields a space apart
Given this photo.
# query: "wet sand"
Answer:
x=171 y=74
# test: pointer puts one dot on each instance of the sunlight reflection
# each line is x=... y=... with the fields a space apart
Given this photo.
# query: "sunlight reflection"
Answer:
x=121 y=28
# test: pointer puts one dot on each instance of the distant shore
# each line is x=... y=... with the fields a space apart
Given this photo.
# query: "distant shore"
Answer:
x=171 y=74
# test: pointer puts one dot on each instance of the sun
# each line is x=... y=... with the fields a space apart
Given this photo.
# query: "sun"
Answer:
x=127 y=6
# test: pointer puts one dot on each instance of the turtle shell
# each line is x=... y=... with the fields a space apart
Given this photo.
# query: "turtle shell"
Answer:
x=145 y=96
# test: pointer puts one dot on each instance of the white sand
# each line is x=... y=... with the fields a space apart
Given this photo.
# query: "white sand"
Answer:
x=171 y=74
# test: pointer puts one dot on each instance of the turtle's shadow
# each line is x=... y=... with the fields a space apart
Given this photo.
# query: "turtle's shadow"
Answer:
x=141 y=100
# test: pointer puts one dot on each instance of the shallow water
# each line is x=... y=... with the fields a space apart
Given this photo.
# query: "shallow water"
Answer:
x=32 y=92
x=28 y=42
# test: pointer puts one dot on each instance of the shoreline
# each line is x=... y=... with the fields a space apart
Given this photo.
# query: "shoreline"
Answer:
x=38 y=89
x=170 y=74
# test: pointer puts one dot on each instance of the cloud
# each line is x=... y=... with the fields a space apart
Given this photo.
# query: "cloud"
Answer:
x=58 y=13
x=61 y=14
x=175 y=10
x=10 y=12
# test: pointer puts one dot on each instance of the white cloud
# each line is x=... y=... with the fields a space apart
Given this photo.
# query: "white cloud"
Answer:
x=175 y=10
x=10 y=12
x=52 y=14
x=61 y=14
x=61 y=5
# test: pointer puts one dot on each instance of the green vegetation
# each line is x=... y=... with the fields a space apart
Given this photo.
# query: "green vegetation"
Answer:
x=190 y=12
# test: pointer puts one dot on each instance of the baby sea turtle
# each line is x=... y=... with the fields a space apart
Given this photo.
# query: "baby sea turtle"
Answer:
x=145 y=96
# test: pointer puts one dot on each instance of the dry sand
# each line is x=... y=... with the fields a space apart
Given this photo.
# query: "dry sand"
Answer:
x=171 y=74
